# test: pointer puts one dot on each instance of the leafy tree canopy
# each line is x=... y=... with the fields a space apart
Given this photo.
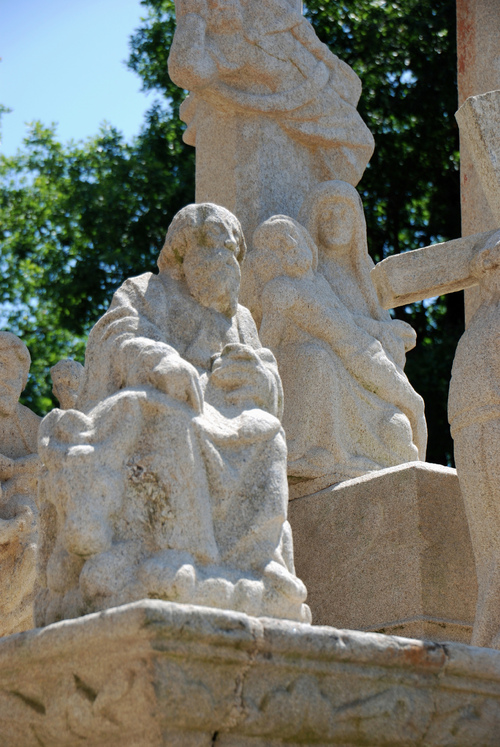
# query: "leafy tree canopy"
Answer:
x=77 y=219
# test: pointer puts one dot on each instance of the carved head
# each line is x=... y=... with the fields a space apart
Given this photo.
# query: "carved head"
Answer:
x=333 y=215
x=15 y=362
x=66 y=378
x=281 y=247
x=284 y=248
x=204 y=247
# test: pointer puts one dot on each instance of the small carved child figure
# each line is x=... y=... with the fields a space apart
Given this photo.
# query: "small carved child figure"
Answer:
x=66 y=378
x=474 y=415
x=18 y=481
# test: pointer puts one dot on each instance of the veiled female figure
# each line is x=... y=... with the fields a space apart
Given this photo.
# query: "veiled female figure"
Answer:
x=349 y=408
x=333 y=215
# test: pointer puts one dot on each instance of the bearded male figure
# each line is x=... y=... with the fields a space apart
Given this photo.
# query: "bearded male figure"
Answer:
x=168 y=479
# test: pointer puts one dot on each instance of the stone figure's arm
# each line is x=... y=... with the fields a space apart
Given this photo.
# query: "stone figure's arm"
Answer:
x=159 y=365
x=329 y=320
x=189 y=64
x=396 y=336
x=347 y=83
x=138 y=356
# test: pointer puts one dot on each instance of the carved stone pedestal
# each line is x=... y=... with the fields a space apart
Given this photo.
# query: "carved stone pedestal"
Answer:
x=153 y=674
x=389 y=552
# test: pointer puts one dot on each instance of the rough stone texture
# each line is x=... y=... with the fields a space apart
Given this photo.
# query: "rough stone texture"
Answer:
x=272 y=112
x=156 y=674
x=168 y=479
x=18 y=485
x=332 y=361
x=66 y=378
x=479 y=121
x=389 y=552
x=478 y=47
x=474 y=415
x=431 y=271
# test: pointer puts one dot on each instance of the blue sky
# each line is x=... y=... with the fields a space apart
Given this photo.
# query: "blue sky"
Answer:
x=63 y=61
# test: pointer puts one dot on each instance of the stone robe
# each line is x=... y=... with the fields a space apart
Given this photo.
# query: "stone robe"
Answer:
x=147 y=487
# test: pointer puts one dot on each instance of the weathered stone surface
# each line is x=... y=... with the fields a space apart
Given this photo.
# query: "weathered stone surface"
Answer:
x=156 y=674
x=478 y=52
x=479 y=121
x=389 y=552
x=66 y=378
x=168 y=479
x=18 y=484
x=431 y=271
x=474 y=415
x=272 y=112
x=349 y=408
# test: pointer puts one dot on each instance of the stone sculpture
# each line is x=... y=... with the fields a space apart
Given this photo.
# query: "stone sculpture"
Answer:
x=66 y=378
x=474 y=414
x=349 y=408
x=18 y=484
x=170 y=479
x=268 y=98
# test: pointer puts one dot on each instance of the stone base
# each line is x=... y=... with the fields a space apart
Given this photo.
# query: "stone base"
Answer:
x=389 y=552
x=154 y=674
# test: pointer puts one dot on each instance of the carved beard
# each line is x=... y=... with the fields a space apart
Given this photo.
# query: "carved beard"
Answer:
x=218 y=290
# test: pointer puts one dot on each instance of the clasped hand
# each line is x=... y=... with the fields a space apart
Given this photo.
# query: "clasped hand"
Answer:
x=239 y=372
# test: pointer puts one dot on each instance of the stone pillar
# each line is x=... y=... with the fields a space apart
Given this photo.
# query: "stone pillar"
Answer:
x=478 y=46
x=238 y=155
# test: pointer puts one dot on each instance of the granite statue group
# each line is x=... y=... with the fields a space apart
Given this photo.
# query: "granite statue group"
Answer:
x=165 y=472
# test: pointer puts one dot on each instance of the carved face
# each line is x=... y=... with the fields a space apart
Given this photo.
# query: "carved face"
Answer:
x=295 y=255
x=225 y=16
x=211 y=268
x=336 y=230
x=65 y=389
x=12 y=376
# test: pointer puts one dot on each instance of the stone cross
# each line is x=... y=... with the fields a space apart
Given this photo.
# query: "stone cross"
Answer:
x=478 y=52
x=443 y=268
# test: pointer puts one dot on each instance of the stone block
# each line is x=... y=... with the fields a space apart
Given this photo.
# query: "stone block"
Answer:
x=389 y=552
x=158 y=674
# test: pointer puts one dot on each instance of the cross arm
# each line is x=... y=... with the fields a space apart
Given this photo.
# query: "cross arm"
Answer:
x=431 y=271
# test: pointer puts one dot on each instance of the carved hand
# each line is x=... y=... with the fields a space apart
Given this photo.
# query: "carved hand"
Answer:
x=239 y=370
x=179 y=379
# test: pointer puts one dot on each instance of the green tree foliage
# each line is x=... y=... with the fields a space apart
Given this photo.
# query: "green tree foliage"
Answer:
x=76 y=219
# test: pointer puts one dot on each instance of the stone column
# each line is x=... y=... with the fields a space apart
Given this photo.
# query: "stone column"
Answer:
x=478 y=46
